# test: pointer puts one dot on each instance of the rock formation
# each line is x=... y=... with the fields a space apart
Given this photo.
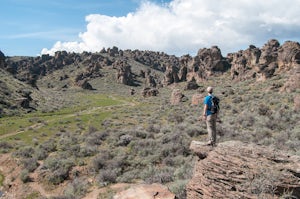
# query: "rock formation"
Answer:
x=24 y=102
x=150 y=80
x=171 y=75
x=243 y=62
x=237 y=170
x=207 y=62
x=2 y=60
x=149 y=92
x=177 y=97
x=124 y=74
x=289 y=55
x=265 y=62
x=192 y=84
x=197 y=99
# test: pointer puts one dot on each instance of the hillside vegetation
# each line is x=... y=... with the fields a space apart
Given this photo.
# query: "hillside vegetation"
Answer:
x=83 y=129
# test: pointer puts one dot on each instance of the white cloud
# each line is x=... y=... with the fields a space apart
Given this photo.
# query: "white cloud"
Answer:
x=185 y=26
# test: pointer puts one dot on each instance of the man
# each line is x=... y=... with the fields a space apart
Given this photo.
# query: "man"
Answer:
x=210 y=118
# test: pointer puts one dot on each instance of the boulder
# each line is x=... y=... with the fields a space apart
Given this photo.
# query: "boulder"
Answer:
x=146 y=191
x=192 y=85
x=149 y=92
x=238 y=170
x=197 y=99
x=85 y=85
x=177 y=97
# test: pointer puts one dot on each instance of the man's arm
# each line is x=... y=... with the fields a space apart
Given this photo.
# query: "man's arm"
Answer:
x=204 y=111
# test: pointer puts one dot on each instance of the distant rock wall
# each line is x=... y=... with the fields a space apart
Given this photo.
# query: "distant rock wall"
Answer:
x=266 y=62
x=252 y=63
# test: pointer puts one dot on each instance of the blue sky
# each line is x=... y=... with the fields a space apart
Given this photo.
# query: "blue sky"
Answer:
x=32 y=27
x=27 y=26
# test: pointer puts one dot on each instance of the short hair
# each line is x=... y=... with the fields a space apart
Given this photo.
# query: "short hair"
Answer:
x=209 y=89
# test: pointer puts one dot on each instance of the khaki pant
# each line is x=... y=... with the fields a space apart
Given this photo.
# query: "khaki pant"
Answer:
x=211 y=121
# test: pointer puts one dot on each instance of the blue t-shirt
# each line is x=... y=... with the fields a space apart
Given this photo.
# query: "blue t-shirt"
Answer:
x=207 y=100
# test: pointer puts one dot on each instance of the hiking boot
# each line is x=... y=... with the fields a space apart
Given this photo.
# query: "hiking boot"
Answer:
x=210 y=143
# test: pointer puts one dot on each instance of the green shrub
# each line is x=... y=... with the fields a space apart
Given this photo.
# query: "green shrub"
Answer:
x=77 y=188
x=92 y=129
x=153 y=174
x=179 y=188
x=96 y=138
x=25 y=152
x=107 y=176
x=49 y=145
x=57 y=169
x=86 y=151
x=30 y=164
x=5 y=147
x=101 y=160
x=24 y=176
x=40 y=153
x=1 y=179
x=66 y=141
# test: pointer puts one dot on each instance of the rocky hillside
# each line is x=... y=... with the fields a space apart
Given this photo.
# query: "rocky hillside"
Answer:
x=149 y=69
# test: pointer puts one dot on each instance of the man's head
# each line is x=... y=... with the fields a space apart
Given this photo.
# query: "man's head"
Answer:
x=210 y=89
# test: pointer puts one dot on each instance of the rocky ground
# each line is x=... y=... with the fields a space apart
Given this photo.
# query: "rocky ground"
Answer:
x=237 y=170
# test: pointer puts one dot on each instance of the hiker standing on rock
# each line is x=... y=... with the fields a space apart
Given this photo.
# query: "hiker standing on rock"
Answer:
x=210 y=114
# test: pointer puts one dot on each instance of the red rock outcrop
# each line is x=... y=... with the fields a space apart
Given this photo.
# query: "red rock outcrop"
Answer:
x=237 y=170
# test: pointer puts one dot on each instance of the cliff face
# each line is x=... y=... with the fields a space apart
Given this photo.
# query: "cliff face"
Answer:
x=266 y=62
x=238 y=170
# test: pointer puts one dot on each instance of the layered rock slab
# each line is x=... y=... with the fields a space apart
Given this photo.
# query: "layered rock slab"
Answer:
x=239 y=170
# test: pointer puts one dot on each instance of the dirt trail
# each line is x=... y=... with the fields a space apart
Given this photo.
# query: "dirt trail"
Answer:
x=83 y=112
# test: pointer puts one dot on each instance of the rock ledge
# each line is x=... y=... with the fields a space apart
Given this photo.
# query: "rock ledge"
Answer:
x=238 y=170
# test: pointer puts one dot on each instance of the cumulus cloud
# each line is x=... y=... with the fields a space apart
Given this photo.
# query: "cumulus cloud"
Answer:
x=184 y=26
